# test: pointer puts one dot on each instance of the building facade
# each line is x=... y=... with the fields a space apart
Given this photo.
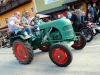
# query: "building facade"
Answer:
x=57 y=7
x=43 y=5
x=7 y=10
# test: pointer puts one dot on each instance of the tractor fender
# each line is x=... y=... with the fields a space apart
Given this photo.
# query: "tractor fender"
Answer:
x=22 y=37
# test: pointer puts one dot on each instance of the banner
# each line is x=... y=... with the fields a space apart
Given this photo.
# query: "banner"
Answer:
x=49 y=1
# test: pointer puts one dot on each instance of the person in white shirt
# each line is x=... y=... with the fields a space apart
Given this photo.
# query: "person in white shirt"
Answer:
x=12 y=24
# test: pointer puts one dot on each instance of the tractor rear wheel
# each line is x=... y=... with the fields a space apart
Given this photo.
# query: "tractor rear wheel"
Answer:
x=80 y=43
x=60 y=55
x=23 y=51
x=44 y=48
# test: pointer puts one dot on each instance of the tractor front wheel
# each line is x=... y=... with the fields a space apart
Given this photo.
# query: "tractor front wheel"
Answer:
x=60 y=55
x=23 y=51
x=80 y=43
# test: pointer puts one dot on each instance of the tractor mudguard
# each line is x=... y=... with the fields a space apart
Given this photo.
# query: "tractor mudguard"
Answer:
x=23 y=37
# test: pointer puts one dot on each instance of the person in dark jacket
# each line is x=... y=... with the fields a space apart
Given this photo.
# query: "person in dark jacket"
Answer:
x=90 y=10
x=89 y=18
x=99 y=13
x=83 y=17
x=96 y=16
x=75 y=19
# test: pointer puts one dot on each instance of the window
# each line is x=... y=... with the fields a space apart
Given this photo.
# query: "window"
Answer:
x=0 y=23
x=6 y=20
x=32 y=9
x=49 y=1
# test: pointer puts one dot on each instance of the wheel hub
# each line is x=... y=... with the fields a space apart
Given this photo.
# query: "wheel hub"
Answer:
x=20 y=51
x=59 y=55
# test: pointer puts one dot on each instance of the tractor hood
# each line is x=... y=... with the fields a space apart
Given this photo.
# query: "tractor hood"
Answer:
x=59 y=23
x=64 y=26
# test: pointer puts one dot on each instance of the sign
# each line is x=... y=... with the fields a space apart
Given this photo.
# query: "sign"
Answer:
x=50 y=1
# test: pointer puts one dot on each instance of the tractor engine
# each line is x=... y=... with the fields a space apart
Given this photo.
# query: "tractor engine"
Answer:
x=55 y=35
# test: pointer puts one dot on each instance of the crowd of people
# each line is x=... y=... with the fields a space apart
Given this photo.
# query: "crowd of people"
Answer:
x=77 y=16
x=92 y=14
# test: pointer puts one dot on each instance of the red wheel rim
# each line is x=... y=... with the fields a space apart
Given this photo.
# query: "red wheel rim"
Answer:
x=59 y=55
x=44 y=47
x=20 y=52
x=79 y=43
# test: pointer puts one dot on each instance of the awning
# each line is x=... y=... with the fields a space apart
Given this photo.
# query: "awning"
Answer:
x=53 y=10
x=70 y=1
x=43 y=16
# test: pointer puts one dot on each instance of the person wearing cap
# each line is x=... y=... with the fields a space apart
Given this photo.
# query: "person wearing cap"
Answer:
x=37 y=20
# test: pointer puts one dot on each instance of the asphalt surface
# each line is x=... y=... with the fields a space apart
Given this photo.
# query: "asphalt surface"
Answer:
x=85 y=62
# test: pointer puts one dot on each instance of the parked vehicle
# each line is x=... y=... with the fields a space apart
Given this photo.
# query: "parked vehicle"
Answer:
x=86 y=31
x=94 y=27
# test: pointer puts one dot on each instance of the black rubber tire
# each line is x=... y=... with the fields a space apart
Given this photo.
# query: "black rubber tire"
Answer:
x=81 y=44
x=43 y=48
x=65 y=49
x=28 y=49
x=87 y=32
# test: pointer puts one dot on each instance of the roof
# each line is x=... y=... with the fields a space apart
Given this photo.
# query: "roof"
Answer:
x=53 y=10
x=70 y=1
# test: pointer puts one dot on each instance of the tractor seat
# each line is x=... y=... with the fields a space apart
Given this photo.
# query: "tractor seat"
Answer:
x=11 y=34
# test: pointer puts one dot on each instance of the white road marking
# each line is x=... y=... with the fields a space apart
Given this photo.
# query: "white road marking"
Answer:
x=93 y=46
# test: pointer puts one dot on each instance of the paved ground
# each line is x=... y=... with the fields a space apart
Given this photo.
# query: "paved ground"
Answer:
x=85 y=62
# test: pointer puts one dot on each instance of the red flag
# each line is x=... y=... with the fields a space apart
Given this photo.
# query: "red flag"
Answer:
x=94 y=0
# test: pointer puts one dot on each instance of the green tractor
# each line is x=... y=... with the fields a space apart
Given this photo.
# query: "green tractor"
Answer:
x=55 y=36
